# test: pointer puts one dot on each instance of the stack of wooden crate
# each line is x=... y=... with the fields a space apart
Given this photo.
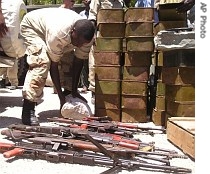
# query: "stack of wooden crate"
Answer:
x=139 y=49
x=168 y=19
x=108 y=58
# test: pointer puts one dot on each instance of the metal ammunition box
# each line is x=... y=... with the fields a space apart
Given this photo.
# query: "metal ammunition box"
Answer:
x=134 y=115
x=159 y=117
x=181 y=109
x=139 y=14
x=136 y=58
x=139 y=29
x=107 y=58
x=140 y=43
x=167 y=12
x=109 y=44
x=160 y=103
x=134 y=87
x=134 y=102
x=115 y=114
x=178 y=75
x=139 y=73
x=111 y=29
x=107 y=101
x=108 y=72
x=110 y=15
x=180 y=92
x=107 y=87
x=165 y=25
x=160 y=89
x=177 y=58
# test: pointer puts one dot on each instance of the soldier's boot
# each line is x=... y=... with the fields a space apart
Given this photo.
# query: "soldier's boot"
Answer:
x=28 y=113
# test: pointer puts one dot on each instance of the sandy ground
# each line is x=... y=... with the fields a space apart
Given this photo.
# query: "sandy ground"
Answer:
x=10 y=112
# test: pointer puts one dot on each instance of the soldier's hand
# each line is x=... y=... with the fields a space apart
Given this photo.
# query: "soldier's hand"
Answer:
x=186 y=5
x=3 y=27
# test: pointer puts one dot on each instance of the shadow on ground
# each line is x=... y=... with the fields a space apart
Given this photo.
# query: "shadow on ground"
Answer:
x=6 y=121
x=48 y=114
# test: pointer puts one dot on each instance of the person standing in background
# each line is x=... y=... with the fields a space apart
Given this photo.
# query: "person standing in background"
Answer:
x=11 y=45
x=144 y=3
x=85 y=71
x=95 y=6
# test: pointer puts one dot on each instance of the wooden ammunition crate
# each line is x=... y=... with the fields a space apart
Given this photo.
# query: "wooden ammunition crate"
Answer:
x=134 y=102
x=134 y=115
x=158 y=117
x=178 y=75
x=111 y=29
x=110 y=15
x=136 y=58
x=115 y=114
x=180 y=92
x=139 y=29
x=107 y=58
x=134 y=87
x=181 y=132
x=139 y=14
x=181 y=109
x=143 y=43
x=107 y=87
x=108 y=72
x=107 y=101
x=140 y=74
x=177 y=58
x=109 y=44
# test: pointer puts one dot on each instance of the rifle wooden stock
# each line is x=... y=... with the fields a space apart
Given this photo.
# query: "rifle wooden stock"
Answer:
x=110 y=126
x=85 y=158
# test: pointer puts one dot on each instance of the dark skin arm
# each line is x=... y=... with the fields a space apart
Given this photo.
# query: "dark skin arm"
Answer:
x=56 y=81
x=77 y=69
x=3 y=27
x=186 y=5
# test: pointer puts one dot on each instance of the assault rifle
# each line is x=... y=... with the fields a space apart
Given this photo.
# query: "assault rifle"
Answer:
x=84 y=158
x=110 y=126
x=58 y=143
x=31 y=131
x=19 y=131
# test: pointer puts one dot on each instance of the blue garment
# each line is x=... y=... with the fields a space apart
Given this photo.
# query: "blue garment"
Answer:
x=144 y=3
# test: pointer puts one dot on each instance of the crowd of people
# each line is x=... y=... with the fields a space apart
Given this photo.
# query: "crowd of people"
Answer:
x=47 y=43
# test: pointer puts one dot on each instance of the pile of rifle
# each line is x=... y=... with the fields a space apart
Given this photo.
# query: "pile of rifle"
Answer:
x=92 y=141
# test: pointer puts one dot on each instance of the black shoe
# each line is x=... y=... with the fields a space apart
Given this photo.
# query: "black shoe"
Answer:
x=28 y=113
x=3 y=83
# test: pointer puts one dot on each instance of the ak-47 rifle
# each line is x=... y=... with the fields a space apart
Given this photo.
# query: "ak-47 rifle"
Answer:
x=58 y=142
x=84 y=158
x=18 y=131
x=110 y=126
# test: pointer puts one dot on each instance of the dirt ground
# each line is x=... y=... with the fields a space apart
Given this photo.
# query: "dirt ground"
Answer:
x=10 y=112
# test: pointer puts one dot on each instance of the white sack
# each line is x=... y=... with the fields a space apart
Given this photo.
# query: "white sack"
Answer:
x=75 y=108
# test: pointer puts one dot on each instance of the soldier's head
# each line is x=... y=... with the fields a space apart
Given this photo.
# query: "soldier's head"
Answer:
x=82 y=32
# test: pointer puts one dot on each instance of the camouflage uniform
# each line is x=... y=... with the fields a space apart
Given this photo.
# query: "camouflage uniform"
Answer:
x=95 y=6
x=46 y=34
